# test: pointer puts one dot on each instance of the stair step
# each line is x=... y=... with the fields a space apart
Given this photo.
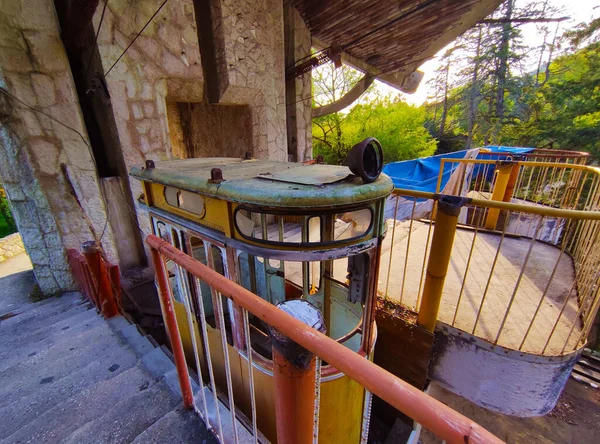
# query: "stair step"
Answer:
x=56 y=424
x=105 y=349
x=128 y=418
x=47 y=354
x=28 y=408
x=244 y=436
x=42 y=309
x=67 y=337
x=179 y=426
x=64 y=321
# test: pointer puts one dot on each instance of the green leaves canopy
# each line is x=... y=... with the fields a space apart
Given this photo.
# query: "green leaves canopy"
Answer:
x=397 y=125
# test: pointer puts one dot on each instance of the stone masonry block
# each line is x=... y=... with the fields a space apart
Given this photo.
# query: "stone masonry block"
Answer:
x=45 y=154
x=48 y=51
x=44 y=89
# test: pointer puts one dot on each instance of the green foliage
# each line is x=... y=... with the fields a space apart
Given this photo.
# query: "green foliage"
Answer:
x=7 y=223
x=397 y=125
x=556 y=105
x=565 y=112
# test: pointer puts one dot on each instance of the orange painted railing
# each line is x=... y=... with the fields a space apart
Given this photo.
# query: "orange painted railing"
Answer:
x=98 y=280
x=446 y=423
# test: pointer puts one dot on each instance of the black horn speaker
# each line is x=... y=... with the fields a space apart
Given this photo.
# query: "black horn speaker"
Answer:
x=365 y=159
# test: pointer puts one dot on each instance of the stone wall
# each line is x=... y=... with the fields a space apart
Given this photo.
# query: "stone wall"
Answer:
x=164 y=65
x=10 y=246
x=33 y=146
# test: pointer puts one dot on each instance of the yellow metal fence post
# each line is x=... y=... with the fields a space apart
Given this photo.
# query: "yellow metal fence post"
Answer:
x=504 y=174
x=439 y=259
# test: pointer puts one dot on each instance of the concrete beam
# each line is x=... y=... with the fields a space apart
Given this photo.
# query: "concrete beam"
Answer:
x=348 y=98
x=212 y=48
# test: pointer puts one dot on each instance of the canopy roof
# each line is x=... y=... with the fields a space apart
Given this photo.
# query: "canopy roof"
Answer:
x=391 y=35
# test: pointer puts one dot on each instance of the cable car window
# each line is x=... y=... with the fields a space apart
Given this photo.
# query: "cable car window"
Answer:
x=199 y=253
x=352 y=224
x=314 y=229
x=186 y=200
x=301 y=229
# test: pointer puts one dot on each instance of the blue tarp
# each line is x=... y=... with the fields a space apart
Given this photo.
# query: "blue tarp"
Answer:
x=422 y=174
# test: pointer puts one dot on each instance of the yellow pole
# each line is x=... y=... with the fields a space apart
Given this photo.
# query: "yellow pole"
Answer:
x=439 y=259
x=512 y=182
x=504 y=173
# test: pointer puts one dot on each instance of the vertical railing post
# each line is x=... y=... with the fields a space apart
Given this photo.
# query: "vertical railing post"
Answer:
x=512 y=182
x=504 y=174
x=439 y=258
x=173 y=330
x=295 y=374
x=97 y=267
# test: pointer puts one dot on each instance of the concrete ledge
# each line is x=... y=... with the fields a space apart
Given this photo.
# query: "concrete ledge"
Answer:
x=10 y=246
x=497 y=378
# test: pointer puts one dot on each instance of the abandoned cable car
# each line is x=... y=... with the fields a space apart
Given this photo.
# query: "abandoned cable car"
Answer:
x=283 y=231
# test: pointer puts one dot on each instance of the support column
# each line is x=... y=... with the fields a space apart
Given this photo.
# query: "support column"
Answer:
x=512 y=182
x=439 y=259
x=500 y=188
x=295 y=369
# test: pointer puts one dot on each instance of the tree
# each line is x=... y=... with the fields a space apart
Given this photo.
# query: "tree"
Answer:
x=397 y=125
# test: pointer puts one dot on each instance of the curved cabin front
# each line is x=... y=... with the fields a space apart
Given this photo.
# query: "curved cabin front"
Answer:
x=283 y=231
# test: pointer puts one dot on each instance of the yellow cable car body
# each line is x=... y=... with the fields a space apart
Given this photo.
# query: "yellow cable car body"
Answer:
x=283 y=231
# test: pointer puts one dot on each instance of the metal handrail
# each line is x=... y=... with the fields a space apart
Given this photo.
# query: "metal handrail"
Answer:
x=429 y=412
x=574 y=232
x=522 y=208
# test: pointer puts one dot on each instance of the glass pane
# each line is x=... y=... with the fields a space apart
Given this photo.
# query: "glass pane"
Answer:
x=199 y=253
x=352 y=224
x=171 y=196
x=192 y=202
x=296 y=229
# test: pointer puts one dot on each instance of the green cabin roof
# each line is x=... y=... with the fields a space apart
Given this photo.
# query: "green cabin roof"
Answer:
x=268 y=183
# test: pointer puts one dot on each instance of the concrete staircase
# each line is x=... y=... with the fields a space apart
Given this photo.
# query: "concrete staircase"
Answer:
x=69 y=376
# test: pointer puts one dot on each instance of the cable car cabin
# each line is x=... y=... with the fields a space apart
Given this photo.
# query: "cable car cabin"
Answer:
x=283 y=231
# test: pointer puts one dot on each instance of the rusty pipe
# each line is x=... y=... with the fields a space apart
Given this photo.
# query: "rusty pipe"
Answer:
x=106 y=296
x=429 y=412
x=173 y=330
x=294 y=371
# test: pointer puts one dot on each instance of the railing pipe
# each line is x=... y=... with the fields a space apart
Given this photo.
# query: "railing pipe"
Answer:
x=432 y=414
x=294 y=370
x=173 y=329
x=439 y=260
x=97 y=267
x=529 y=209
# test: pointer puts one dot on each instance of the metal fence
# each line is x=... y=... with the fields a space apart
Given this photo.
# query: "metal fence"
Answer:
x=232 y=426
x=519 y=264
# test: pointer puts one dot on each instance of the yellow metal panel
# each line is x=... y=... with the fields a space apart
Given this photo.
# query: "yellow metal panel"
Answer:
x=216 y=213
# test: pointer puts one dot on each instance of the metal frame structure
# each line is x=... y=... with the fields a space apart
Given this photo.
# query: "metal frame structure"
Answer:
x=430 y=413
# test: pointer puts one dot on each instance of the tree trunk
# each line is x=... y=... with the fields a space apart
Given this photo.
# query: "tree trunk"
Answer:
x=474 y=93
x=502 y=72
x=445 y=107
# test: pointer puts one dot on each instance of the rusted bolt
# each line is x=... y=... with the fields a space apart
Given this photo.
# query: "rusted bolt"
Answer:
x=150 y=164
x=216 y=176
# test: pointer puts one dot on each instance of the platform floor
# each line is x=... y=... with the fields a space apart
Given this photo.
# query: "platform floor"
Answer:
x=406 y=280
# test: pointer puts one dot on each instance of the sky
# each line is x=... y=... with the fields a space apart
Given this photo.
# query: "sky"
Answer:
x=579 y=11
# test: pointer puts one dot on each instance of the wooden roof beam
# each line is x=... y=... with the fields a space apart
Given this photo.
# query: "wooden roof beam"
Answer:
x=406 y=83
x=212 y=48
